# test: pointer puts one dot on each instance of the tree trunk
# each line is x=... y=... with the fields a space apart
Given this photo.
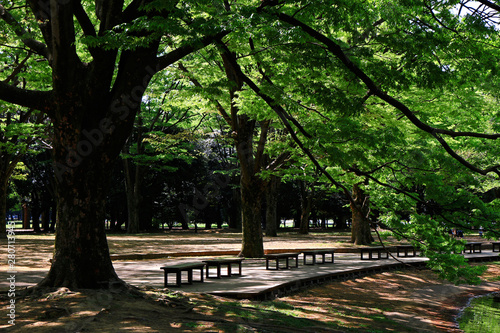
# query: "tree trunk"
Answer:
x=252 y=240
x=306 y=207
x=26 y=215
x=271 y=207
x=133 y=189
x=360 y=229
x=91 y=126
x=304 y=217
x=81 y=257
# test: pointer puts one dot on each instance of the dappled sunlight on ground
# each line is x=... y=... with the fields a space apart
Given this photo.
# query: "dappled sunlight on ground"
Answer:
x=396 y=301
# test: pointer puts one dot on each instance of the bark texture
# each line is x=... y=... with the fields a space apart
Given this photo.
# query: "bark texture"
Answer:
x=360 y=229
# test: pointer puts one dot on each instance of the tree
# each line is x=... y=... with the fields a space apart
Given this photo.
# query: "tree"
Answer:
x=430 y=64
x=323 y=68
x=249 y=134
x=101 y=57
x=161 y=135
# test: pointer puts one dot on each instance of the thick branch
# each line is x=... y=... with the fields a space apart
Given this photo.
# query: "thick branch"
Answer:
x=34 y=45
x=39 y=100
x=182 y=51
x=490 y=4
x=109 y=13
x=65 y=58
x=84 y=20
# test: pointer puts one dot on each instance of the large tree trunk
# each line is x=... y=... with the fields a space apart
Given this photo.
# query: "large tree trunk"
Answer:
x=81 y=257
x=91 y=126
x=252 y=240
x=360 y=229
x=252 y=191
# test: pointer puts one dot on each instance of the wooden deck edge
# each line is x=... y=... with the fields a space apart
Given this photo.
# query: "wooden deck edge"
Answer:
x=297 y=285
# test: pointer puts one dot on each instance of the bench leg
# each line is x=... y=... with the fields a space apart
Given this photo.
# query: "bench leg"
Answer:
x=178 y=278
x=166 y=280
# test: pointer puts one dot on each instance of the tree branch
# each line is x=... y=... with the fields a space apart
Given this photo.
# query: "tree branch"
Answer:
x=17 y=69
x=336 y=50
x=219 y=107
x=182 y=51
x=39 y=100
x=65 y=59
x=34 y=45
x=84 y=20
x=490 y=4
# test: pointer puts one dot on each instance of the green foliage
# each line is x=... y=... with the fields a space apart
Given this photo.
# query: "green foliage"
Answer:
x=481 y=315
x=436 y=58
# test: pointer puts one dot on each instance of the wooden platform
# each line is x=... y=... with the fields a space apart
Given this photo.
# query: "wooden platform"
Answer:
x=259 y=283
x=256 y=282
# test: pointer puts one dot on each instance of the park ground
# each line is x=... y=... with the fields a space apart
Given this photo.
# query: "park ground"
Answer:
x=397 y=301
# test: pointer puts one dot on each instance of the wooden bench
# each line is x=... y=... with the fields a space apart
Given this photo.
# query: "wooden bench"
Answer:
x=370 y=250
x=322 y=253
x=406 y=249
x=473 y=247
x=218 y=263
x=277 y=256
x=495 y=245
x=178 y=269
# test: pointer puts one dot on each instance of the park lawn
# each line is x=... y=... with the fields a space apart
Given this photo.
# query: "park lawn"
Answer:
x=36 y=250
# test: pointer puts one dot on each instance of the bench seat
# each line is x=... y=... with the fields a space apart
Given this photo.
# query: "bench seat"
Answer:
x=379 y=250
x=287 y=256
x=179 y=268
x=219 y=263
x=406 y=251
x=314 y=253
x=473 y=247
